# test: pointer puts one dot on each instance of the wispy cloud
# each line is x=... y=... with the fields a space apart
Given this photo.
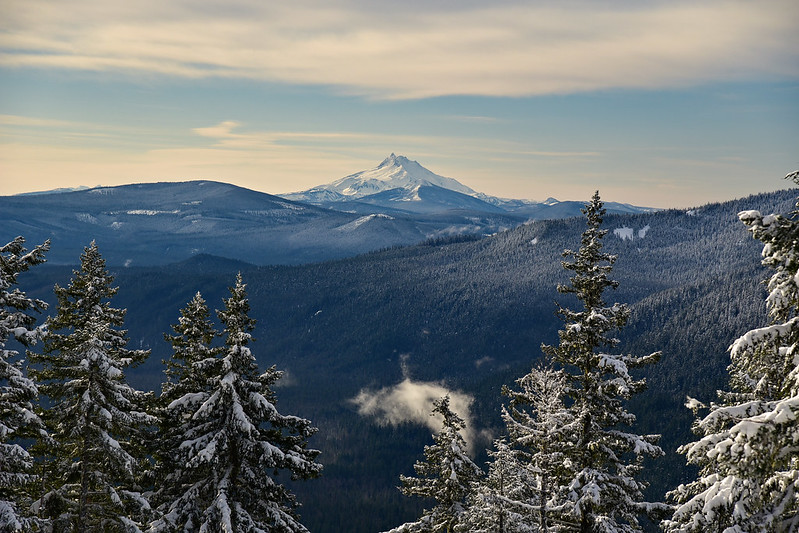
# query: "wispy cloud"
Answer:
x=473 y=118
x=393 y=50
x=38 y=153
x=56 y=153
x=412 y=402
x=33 y=122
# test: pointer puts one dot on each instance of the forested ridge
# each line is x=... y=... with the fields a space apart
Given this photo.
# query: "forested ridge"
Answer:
x=470 y=313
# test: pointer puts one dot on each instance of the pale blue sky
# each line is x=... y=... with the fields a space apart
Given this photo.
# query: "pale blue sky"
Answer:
x=665 y=104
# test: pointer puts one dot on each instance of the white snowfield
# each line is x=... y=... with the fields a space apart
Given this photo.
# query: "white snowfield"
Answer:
x=151 y=212
x=393 y=173
x=363 y=220
x=624 y=233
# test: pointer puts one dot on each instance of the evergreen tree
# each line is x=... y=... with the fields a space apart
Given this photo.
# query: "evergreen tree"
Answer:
x=93 y=415
x=236 y=439
x=748 y=452
x=501 y=503
x=540 y=424
x=17 y=392
x=447 y=475
x=603 y=494
x=189 y=375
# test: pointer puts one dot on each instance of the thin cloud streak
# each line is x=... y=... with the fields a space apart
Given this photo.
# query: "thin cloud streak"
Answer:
x=54 y=153
x=389 y=52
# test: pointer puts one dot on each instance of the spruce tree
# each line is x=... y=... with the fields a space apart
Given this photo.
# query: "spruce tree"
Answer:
x=502 y=502
x=18 y=394
x=236 y=441
x=189 y=371
x=603 y=493
x=542 y=430
x=748 y=451
x=447 y=475
x=92 y=414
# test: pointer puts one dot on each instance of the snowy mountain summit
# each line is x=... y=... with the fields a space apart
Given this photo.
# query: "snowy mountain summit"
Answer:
x=400 y=185
x=395 y=172
x=397 y=184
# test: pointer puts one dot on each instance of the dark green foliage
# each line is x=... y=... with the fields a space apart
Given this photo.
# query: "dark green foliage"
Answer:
x=18 y=394
x=94 y=418
x=692 y=284
x=603 y=493
x=229 y=439
x=747 y=450
x=447 y=475
x=189 y=374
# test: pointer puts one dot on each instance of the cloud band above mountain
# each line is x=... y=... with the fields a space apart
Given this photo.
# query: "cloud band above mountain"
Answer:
x=393 y=50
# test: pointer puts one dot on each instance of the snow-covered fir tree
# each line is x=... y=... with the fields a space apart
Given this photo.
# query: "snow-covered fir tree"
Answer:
x=18 y=393
x=543 y=430
x=92 y=414
x=748 y=451
x=189 y=374
x=603 y=493
x=502 y=502
x=236 y=442
x=447 y=475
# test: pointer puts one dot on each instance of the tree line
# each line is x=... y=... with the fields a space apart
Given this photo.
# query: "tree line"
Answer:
x=97 y=455
x=567 y=463
x=206 y=455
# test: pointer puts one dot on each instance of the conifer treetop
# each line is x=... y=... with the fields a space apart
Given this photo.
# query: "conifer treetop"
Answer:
x=747 y=449
x=590 y=275
x=94 y=417
x=18 y=393
x=447 y=475
x=604 y=457
x=15 y=305
x=229 y=439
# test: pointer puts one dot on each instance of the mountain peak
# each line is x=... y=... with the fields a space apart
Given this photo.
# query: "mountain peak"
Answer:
x=394 y=160
x=394 y=172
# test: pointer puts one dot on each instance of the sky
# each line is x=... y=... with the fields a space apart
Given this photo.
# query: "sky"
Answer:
x=656 y=103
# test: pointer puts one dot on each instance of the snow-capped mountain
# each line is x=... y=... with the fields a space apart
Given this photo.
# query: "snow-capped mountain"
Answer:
x=401 y=185
x=158 y=223
x=397 y=185
x=395 y=172
x=397 y=203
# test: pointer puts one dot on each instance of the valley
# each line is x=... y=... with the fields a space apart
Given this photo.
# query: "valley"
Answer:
x=466 y=314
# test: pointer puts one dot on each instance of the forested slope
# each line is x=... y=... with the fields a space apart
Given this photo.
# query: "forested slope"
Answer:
x=469 y=313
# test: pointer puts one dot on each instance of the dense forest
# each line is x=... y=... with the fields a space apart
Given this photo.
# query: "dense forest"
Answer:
x=466 y=314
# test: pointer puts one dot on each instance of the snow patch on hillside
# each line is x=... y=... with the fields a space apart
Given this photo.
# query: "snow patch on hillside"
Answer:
x=624 y=233
x=270 y=212
x=292 y=207
x=413 y=196
x=363 y=220
x=86 y=217
x=151 y=212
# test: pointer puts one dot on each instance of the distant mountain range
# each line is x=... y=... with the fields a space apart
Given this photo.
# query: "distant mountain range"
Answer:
x=468 y=314
x=399 y=184
x=397 y=203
